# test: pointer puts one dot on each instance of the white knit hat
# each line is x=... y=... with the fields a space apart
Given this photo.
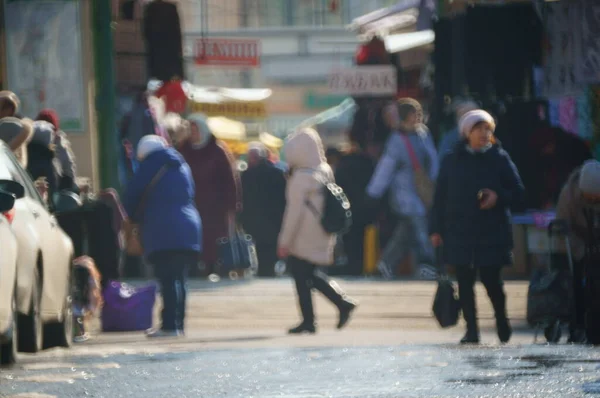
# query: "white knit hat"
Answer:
x=150 y=144
x=589 y=179
x=470 y=119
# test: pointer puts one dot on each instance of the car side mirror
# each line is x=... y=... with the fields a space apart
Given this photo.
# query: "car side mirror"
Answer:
x=7 y=201
x=13 y=187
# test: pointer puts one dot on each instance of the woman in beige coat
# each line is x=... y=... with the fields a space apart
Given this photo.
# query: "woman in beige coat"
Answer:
x=302 y=239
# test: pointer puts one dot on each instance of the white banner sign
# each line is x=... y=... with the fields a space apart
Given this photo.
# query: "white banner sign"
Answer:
x=364 y=81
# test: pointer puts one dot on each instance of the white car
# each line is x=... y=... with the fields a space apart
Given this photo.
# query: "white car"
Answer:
x=8 y=274
x=45 y=253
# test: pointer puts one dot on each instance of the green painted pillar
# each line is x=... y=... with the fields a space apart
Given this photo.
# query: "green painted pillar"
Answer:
x=108 y=145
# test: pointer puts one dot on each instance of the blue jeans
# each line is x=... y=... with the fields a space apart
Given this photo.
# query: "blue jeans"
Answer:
x=171 y=268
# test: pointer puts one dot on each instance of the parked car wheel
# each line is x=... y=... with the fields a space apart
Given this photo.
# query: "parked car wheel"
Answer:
x=60 y=334
x=8 y=350
x=30 y=326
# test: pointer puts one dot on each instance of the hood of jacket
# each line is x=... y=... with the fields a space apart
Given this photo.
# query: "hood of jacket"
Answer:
x=304 y=149
x=166 y=156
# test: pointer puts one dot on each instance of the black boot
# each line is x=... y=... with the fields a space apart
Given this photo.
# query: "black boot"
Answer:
x=471 y=337
x=503 y=328
x=303 y=328
x=346 y=309
x=469 y=311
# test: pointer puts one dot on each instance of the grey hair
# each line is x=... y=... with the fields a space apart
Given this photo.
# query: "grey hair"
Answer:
x=259 y=149
x=200 y=120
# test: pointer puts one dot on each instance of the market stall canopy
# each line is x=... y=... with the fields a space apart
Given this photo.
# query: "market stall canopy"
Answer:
x=402 y=15
x=406 y=41
x=217 y=95
x=227 y=129
x=270 y=141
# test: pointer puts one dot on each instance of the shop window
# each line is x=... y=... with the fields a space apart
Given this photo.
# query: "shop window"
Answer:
x=266 y=13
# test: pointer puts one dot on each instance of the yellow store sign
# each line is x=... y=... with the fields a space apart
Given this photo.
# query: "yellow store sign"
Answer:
x=232 y=110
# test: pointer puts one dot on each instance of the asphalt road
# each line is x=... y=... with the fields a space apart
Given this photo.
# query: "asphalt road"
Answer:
x=236 y=347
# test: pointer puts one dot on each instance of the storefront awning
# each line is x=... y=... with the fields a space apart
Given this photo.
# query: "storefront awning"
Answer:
x=406 y=41
x=218 y=95
x=227 y=129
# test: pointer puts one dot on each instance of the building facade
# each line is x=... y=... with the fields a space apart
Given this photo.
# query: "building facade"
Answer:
x=301 y=41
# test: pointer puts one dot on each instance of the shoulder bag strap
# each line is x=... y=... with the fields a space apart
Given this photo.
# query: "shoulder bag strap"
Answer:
x=411 y=152
x=148 y=188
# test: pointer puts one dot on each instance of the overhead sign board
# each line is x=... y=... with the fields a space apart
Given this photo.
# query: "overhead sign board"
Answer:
x=215 y=51
x=364 y=81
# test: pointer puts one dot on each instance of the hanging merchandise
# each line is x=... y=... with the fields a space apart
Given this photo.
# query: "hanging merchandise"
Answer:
x=553 y=112
x=173 y=95
x=563 y=49
x=372 y=53
x=584 y=115
x=589 y=24
x=567 y=110
x=162 y=31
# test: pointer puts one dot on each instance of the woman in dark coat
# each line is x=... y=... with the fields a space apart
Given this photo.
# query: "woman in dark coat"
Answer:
x=218 y=188
x=477 y=186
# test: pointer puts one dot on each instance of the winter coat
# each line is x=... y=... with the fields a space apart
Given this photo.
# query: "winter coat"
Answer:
x=301 y=232
x=66 y=158
x=263 y=201
x=218 y=191
x=395 y=172
x=17 y=134
x=472 y=236
x=169 y=220
x=570 y=209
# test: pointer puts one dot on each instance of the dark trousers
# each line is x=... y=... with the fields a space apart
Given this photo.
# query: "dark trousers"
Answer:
x=491 y=277
x=171 y=268
x=354 y=246
x=307 y=277
x=267 y=257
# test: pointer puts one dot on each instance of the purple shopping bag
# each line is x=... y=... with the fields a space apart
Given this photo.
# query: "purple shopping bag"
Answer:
x=127 y=309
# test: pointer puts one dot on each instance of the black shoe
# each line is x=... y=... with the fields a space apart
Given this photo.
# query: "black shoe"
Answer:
x=504 y=330
x=345 y=312
x=577 y=337
x=470 y=338
x=303 y=328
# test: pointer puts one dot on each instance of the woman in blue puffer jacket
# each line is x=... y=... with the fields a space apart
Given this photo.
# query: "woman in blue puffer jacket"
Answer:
x=476 y=189
x=169 y=222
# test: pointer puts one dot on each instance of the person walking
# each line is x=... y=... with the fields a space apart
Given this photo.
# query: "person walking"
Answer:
x=408 y=148
x=160 y=199
x=471 y=216
x=263 y=185
x=63 y=151
x=302 y=240
x=218 y=188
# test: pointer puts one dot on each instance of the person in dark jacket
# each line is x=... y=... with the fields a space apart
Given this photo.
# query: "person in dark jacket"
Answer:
x=477 y=186
x=62 y=148
x=42 y=162
x=218 y=186
x=169 y=222
x=353 y=174
x=263 y=186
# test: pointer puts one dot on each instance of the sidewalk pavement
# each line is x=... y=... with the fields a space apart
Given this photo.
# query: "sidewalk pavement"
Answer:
x=256 y=313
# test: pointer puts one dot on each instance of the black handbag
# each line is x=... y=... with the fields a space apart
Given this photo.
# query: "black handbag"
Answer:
x=446 y=307
x=237 y=252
